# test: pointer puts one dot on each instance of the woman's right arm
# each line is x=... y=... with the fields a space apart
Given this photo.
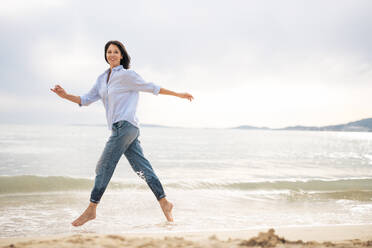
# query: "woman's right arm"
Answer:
x=62 y=93
x=83 y=100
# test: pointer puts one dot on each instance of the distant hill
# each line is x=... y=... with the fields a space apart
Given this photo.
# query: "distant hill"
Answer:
x=364 y=125
x=251 y=127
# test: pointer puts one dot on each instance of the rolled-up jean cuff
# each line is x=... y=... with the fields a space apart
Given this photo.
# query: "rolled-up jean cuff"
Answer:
x=94 y=201
x=161 y=196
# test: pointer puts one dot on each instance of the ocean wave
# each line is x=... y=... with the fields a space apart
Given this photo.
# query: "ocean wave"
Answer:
x=334 y=188
x=31 y=184
x=298 y=185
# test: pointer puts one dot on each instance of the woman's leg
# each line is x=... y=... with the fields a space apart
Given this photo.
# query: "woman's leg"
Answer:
x=123 y=135
x=143 y=168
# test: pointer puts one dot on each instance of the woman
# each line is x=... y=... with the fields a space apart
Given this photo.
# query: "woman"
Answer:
x=118 y=88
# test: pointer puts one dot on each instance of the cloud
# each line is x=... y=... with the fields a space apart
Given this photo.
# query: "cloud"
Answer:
x=19 y=9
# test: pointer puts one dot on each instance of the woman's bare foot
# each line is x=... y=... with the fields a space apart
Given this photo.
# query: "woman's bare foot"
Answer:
x=89 y=214
x=167 y=207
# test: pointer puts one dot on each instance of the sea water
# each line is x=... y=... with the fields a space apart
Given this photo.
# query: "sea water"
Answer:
x=217 y=179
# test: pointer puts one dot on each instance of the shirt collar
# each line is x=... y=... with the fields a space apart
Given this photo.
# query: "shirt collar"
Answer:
x=116 y=68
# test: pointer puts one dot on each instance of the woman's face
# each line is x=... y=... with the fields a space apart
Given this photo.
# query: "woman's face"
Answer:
x=113 y=55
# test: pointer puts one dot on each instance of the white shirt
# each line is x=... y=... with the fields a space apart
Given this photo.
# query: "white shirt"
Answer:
x=119 y=95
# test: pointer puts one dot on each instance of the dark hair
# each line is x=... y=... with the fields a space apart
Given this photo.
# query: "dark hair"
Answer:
x=125 y=61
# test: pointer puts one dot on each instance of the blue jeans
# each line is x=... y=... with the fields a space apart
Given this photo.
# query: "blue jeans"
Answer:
x=124 y=140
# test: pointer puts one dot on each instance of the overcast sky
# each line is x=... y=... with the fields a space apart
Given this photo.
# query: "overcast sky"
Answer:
x=262 y=63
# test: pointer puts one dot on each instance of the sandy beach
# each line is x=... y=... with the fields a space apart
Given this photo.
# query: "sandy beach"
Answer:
x=325 y=236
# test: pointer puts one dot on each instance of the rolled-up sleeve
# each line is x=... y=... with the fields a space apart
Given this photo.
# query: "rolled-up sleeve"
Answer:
x=136 y=83
x=91 y=96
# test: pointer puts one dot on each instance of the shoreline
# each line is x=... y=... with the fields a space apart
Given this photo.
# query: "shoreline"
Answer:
x=351 y=235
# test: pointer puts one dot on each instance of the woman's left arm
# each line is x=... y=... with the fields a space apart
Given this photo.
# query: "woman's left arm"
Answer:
x=135 y=82
x=171 y=93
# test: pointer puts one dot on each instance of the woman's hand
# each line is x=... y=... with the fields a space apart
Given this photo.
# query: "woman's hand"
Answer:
x=62 y=93
x=59 y=91
x=186 y=95
x=172 y=93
